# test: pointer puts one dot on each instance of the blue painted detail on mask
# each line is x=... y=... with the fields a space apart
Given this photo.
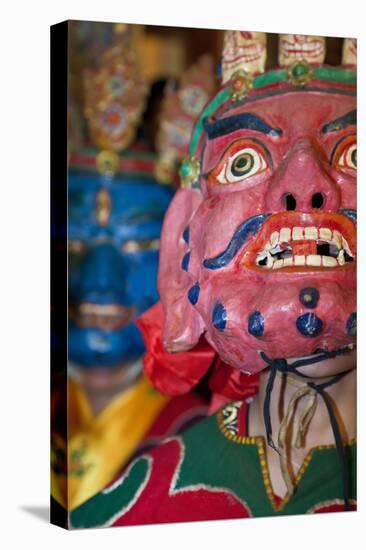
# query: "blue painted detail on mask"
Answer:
x=185 y=261
x=246 y=230
x=105 y=272
x=351 y=325
x=248 y=121
x=256 y=324
x=349 y=119
x=219 y=316
x=309 y=297
x=352 y=214
x=309 y=324
x=193 y=294
x=185 y=234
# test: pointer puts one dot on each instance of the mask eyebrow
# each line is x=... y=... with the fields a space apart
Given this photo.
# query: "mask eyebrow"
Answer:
x=349 y=119
x=247 y=121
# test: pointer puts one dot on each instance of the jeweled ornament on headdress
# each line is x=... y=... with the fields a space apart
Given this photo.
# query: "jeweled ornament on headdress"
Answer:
x=115 y=94
x=180 y=110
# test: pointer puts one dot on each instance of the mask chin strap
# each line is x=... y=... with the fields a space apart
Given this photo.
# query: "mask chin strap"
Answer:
x=311 y=390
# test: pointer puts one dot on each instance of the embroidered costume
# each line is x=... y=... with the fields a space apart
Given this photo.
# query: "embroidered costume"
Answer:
x=98 y=446
x=184 y=480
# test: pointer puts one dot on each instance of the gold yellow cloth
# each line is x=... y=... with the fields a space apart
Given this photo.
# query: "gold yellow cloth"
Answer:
x=98 y=446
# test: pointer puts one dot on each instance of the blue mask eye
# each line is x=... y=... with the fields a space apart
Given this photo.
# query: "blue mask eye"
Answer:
x=141 y=245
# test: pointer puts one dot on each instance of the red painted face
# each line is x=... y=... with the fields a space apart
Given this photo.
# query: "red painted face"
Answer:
x=268 y=263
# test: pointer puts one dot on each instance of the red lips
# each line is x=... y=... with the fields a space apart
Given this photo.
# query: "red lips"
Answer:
x=299 y=241
x=104 y=316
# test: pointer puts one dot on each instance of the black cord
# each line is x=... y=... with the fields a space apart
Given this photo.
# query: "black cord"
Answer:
x=282 y=365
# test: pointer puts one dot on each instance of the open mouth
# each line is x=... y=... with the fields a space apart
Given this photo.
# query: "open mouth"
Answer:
x=302 y=242
x=311 y=49
x=247 y=53
x=103 y=316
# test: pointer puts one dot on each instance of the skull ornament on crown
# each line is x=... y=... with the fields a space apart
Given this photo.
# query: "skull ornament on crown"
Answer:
x=259 y=245
x=294 y=47
x=243 y=49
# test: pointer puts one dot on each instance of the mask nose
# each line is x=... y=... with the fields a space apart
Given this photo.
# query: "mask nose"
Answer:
x=103 y=276
x=302 y=183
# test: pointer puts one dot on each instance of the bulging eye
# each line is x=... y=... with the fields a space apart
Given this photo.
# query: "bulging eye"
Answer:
x=143 y=245
x=345 y=154
x=242 y=160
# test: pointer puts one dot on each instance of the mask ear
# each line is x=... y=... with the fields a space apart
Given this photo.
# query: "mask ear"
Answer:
x=182 y=324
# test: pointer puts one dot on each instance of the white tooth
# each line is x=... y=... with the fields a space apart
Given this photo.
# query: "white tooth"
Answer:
x=325 y=234
x=278 y=264
x=337 y=239
x=313 y=259
x=328 y=261
x=285 y=235
x=268 y=246
x=340 y=258
x=299 y=260
x=311 y=233
x=275 y=238
x=269 y=261
x=346 y=247
x=297 y=233
x=288 y=261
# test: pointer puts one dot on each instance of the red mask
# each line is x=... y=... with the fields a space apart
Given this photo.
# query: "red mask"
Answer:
x=262 y=255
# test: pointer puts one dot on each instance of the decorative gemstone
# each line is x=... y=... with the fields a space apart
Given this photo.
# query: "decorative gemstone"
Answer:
x=107 y=162
x=185 y=234
x=193 y=294
x=300 y=73
x=256 y=324
x=185 y=169
x=219 y=316
x=300 y=70
x=189 y=171
x=309 y=297
x=116 y=85
x=309 y=324
x=240 y=83
x=185 y=261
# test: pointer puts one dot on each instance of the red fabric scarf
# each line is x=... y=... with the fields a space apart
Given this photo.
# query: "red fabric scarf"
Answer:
x=178 y=373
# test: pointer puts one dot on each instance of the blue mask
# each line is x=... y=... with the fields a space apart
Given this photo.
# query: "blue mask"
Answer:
x=114 y=229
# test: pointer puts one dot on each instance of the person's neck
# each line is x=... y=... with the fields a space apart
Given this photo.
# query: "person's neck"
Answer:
x=342 y=395
x=343 y=398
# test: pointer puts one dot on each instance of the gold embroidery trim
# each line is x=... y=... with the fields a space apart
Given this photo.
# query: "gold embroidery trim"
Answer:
x=260 y=442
